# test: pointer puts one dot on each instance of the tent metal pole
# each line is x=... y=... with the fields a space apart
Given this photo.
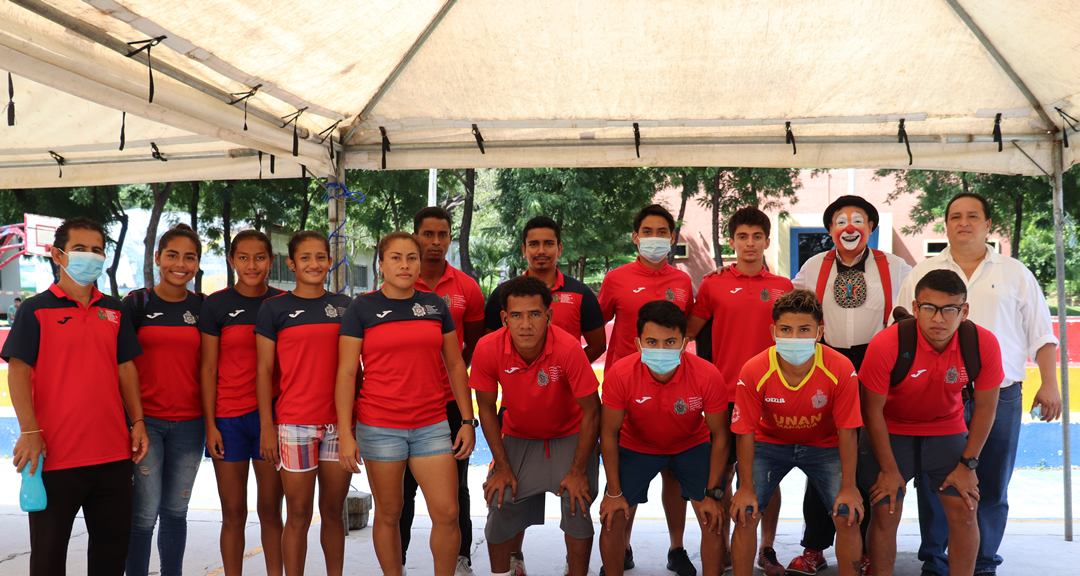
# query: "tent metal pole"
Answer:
x=338 y=247
x=1063 y=346
x=1005 y=67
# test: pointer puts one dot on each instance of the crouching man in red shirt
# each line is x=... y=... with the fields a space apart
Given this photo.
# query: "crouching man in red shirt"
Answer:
x=914 y=416
x=547 y=439
x=660 y=408
x=797 y=406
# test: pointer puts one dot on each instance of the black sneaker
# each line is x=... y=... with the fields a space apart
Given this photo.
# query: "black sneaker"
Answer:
x=929 y=573
x=628 y=562
x=679 y=562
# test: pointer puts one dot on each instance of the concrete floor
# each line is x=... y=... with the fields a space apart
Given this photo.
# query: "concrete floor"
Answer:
x=1033 y=543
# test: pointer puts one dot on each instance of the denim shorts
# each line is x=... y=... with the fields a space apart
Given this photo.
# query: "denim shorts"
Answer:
x=394 y=445
x=821 y=465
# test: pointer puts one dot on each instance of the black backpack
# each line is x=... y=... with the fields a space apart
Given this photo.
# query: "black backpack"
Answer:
x=907 y=328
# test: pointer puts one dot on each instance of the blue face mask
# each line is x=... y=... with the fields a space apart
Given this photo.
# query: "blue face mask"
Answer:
x=654 y=249
x=84 y=267
x=661 y=360
x=796 y=350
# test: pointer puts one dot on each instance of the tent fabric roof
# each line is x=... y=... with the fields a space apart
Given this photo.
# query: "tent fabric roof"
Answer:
x=559 y=83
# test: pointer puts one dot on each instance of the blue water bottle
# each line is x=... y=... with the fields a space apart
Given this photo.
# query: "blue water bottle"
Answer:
x=32 y=496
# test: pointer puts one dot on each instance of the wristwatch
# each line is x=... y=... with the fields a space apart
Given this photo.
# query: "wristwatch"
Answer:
x=715 y=493
x=972 y=463
x=474 y=422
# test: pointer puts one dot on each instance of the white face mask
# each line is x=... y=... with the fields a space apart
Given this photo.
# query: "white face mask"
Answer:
x=654 y=250
x=84 y=268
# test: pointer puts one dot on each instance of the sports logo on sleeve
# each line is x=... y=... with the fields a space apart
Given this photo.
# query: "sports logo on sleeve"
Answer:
x=735 y=414
x=189 y=318
x=638 y=290
x=819 y=400
x=680 y=406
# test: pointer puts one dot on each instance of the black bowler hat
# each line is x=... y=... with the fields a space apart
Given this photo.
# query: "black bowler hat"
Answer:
x=849 y=200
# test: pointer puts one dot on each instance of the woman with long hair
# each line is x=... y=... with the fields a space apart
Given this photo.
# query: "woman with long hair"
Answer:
x=404 y=337
x=298 y=331
x=231 y=411
x=165 y=316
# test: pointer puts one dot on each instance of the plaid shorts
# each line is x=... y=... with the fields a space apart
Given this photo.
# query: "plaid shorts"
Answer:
x=303 y=447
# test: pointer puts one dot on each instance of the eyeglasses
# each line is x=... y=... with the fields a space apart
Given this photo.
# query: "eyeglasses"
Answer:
x=948 y=313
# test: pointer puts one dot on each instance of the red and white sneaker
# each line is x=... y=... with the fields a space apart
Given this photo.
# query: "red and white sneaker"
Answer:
x=865 y=566
x=808 y=564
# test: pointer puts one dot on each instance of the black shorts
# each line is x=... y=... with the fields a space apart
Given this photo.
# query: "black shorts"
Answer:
x=935 y=456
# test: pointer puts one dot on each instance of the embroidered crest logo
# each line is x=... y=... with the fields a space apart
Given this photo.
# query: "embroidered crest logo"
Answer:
x=101 y=314
x=764 y=295
x=418 y=310
x=331 y=312
x=670 y=295
x=952 y=375
x=109 y=315
x=680 y=406
x=542 y=378
x=446 y=298
x=189 y=318
x=735 y=414
x=819 y=400
x=554 y=296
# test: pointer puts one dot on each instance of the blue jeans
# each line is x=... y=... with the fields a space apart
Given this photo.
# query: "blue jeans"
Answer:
x=996 y=463
x=821 y=465
x=163 y=482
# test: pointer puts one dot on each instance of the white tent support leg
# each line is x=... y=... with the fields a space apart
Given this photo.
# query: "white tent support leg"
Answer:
x=338 y=248
x=1063 y=346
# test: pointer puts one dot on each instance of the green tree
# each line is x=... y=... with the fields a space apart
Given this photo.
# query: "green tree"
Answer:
x=729 y=189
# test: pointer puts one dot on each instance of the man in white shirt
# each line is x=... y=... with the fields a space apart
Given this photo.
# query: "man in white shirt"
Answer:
x=857 y=287
x=1006 y=299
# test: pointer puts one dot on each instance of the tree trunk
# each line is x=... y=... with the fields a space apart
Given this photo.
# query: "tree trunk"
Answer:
x=161 y=196
x=113 y=193
x=305 y=206
x=682 y=213
x=226 y=229
x=193 y=211
x=1017 y=232
x=258 y=223
x=394 y=212
x=717 y=256
x=466 y=224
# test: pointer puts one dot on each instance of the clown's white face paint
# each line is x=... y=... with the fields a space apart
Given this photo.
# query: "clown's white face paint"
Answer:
x=850 y=232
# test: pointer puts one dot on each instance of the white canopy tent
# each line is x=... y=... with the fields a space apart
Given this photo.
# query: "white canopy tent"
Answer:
x=410 y=84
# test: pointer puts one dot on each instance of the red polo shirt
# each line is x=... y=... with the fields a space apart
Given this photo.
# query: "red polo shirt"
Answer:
x=928 y=401
x=402 y=357
x=573 y=305
x=169 y=365
x=306 y=333
x=807 y=413
x=741 y=310
x=230 y=316
x=664 y=418
x=540 y=398
x=626 y=289
x=76 y=385
x=462 y=295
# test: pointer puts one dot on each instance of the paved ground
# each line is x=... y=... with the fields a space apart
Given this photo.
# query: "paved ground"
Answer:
x=1033 y=543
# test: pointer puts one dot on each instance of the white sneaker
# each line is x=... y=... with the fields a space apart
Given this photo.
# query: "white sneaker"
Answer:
x=462 y=568
x=517 y=566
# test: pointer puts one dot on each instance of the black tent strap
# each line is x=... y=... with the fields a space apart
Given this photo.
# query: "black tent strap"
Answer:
x=789 y=138
x=294 y=119
x=1066 y=119
x=157 y=153
x=146 y=45
x=479 y=138
x=243 y=97
x=901 y=138
x=637 y=139
x=997 y=130
x=271 y=163
x=260 y=164
x=385 y=146
x=328 y=131
x=11 y=101
x=59 y=162
x=123 y=128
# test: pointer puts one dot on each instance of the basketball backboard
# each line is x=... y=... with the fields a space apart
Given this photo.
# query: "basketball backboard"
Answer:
x=40 y=231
